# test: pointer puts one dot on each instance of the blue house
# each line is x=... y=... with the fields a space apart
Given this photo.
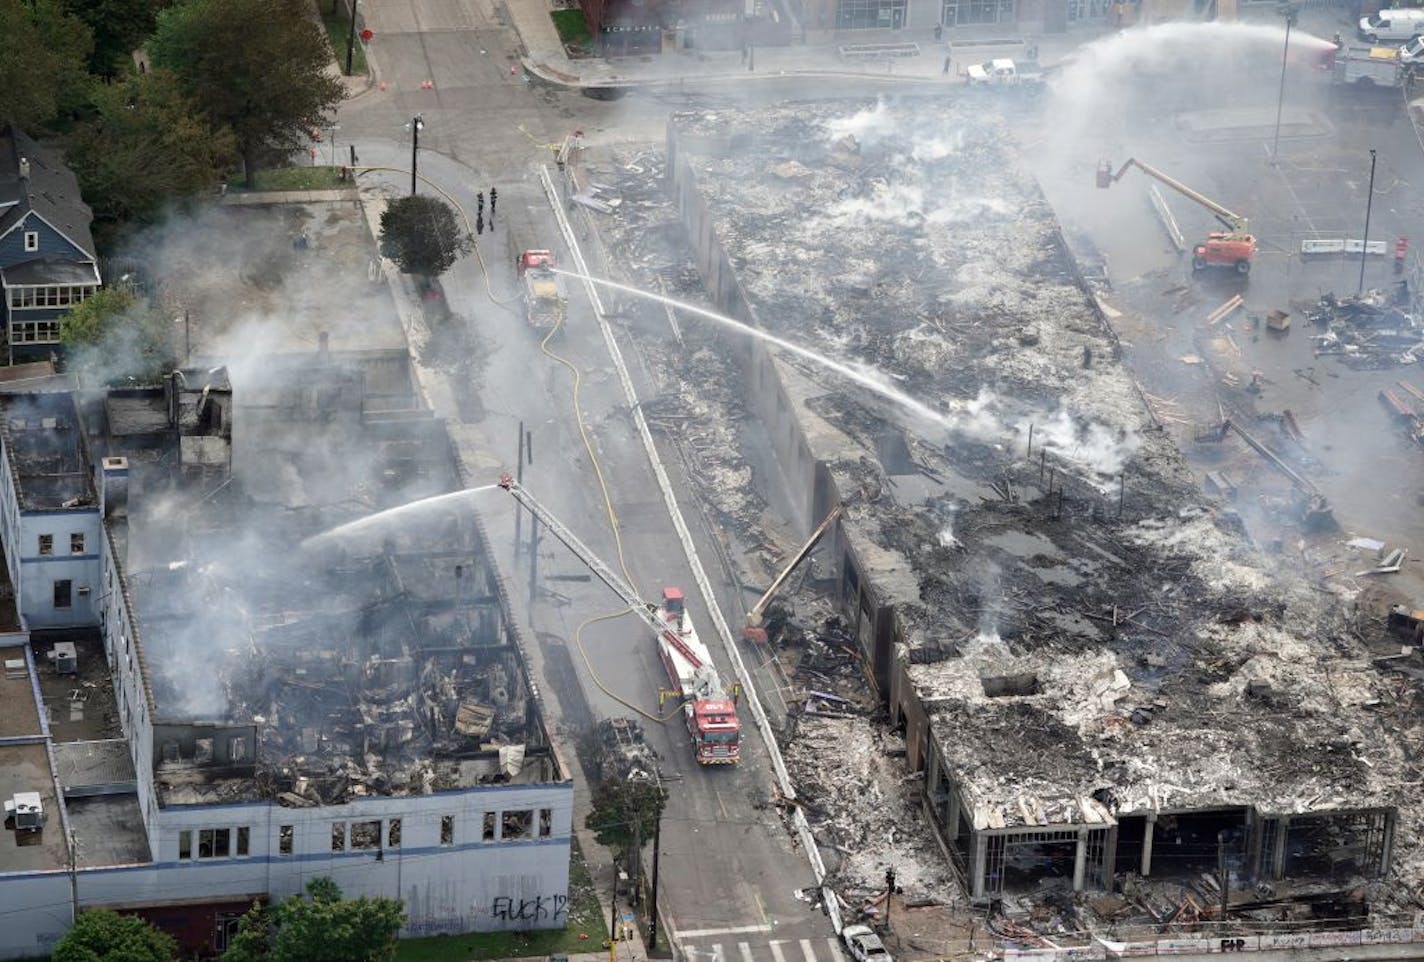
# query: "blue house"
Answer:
x=47 y=261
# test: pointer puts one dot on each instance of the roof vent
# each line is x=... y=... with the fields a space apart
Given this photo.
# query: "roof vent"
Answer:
x=24 y=168
x=25 y=812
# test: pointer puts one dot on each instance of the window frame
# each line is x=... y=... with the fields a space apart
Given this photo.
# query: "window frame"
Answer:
x=32 y=241
x=45 y=545
x=64 y=588
x=76 y=542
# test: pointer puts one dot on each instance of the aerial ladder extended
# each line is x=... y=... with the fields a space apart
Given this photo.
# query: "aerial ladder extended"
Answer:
x=1233 y=247
x=709 y=711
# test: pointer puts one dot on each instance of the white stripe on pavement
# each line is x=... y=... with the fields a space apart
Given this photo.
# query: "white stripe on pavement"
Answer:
x=776 y=951
x=746 y=951
x=711 y=933
x=807 y=952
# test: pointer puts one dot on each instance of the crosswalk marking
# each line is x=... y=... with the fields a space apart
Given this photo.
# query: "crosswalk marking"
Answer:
x=774 y=950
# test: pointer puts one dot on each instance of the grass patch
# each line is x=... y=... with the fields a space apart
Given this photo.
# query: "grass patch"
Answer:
x=297 y=178
x=585 y=915
x=573 y=28
x=338 y=28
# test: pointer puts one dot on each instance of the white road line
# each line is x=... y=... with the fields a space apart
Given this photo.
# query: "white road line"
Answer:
x=775 y=947
x=717 y=953
x=807 y=952
x=712 y=933
x=746 y=951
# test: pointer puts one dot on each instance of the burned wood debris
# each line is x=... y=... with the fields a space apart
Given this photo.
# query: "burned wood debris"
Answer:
x=1375 y=330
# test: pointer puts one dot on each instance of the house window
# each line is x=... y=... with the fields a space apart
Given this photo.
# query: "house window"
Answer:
x=488 y=834
x=63 y=591
x=393 y=834
x=32 y=240
x=214 y=843
x=338 y=836
x=284 y=840
x=34 y=332
x=46 y=545
x=185 y=845
x=447 y=829
x=243 y=835
x=546 y=822
x=76 y=543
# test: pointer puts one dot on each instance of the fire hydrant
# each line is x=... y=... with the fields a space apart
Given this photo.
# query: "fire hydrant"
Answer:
x=1401 y=250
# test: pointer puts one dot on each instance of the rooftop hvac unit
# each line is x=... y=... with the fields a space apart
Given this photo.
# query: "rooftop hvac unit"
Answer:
x=65 y=657
x=27 y=811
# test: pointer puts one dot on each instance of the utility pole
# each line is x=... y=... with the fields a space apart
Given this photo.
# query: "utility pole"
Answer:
x=653 y=899
x=533 y=558
x=73 y=861
x=351 y=37
x=1280 y=98
x=613 y=915
x=519 y=508
x=415 y=127
x=889 y=894
x=1365 y=244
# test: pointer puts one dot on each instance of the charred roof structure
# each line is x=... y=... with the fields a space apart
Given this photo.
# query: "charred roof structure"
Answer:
x=1096 y=673
x=45 y=451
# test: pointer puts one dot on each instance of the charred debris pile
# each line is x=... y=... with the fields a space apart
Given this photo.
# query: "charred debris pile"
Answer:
x=367 y=659
x=1086 y=641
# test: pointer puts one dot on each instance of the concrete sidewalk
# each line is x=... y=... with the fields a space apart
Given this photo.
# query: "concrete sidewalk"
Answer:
x=545 y=57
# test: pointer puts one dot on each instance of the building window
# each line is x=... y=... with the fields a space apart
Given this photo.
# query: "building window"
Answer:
x=215 y=843
x=365 y=836
x=515 y=825
x=393 y=834
x=284 y=840
x=868 y=15
x=243 y=835
x=447 y=829
x=490 y=821
x=32 y=240
x=76 y=543
x=46 y=545
x=338 y=836
x=185 y=845
x=63 y=590
x=546 y=822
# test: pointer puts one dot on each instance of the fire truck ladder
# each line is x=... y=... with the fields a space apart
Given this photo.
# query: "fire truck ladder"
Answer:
x=603 y=572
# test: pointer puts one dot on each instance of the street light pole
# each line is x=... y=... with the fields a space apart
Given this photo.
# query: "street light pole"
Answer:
x=351 y=37
x=1365 y=243
x=613 y=917
x=1280 y=98
x=653 y=906
x=415 y=145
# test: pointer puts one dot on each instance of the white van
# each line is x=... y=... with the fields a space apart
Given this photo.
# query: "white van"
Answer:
x=1399 y=25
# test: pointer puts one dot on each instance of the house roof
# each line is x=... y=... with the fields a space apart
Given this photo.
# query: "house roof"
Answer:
x=51 y=190
x=47 y=270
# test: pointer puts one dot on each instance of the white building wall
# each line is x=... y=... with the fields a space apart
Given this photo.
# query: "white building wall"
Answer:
x=10 y=523
x=35 y=912
x=35 y=588
x=121 y=647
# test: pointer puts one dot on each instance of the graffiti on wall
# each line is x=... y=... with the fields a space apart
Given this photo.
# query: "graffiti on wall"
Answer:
x=538 y=908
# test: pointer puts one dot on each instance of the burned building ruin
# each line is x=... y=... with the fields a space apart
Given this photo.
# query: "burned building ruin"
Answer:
x=1099 y=679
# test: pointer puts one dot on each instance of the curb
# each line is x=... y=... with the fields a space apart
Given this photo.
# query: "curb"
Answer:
x=557 y=78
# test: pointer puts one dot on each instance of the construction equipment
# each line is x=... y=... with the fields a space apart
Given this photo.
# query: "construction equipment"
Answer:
x=545 y=302
x=753 y=630
x=1233 y=247
x=709 y=710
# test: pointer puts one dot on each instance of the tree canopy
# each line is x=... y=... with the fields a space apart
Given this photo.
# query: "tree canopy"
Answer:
x=146 y=143
x=42 y=62
x=320 y=927
x=619 y=806
x=117 y=337
x=257 y=66
x=119 y=27
x=99 y=935
x=420 y=234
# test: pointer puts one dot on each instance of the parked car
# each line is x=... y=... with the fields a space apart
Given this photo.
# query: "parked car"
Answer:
x=865 y=945
x=1399 y=25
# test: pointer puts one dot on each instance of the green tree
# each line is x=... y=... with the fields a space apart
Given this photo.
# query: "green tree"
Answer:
x=119 y=27
x=322 y=927
x=147 y=143
x=117 y=337
x=257 y=66
x=624 y=810
x=421 y=236
x=253 y=941
x=99 y=935
x=42 y=62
